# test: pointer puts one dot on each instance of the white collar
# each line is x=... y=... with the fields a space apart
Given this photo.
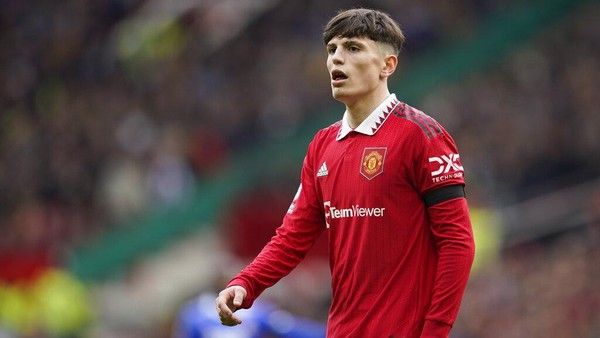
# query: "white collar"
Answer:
x=373 y=122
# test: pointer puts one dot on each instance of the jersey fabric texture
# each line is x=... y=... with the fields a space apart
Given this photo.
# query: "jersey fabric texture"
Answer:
x=398 y=267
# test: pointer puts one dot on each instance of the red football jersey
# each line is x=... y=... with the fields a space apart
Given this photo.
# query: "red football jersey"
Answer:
x=395 y=263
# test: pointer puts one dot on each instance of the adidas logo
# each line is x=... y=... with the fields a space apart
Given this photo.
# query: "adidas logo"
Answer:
x=323 y=170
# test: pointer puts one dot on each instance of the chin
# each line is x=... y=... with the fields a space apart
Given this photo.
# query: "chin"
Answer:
x=344 y=96
x=339 y=94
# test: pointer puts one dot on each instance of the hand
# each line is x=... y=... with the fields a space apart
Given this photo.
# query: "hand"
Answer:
x=228 y=301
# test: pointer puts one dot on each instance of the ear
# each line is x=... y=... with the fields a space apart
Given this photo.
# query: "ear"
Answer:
x=390 y=64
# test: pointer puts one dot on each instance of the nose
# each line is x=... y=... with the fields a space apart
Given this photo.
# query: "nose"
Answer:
x=337 y=57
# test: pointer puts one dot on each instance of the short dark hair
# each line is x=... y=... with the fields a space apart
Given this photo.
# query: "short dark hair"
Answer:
x=368 y=23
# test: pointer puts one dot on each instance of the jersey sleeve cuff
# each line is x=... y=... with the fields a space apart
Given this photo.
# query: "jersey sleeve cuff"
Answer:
x=435 y=329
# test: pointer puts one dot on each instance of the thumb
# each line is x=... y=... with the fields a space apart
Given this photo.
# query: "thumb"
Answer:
x=240 y=294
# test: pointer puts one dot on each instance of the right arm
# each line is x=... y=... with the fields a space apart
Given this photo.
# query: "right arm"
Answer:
x=302 y=225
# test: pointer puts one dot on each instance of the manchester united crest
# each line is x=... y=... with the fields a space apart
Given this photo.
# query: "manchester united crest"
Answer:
x=372 y=161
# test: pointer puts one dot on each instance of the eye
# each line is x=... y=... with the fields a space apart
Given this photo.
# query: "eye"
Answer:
x=331 y=49
x=353 y=48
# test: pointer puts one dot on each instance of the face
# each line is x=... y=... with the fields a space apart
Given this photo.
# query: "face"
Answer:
x=356 y=69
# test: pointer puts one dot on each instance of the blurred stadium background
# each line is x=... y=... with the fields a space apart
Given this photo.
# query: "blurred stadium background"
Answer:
x=148 y=149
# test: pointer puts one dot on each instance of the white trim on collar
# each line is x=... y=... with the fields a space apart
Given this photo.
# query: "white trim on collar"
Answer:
x=373 y=122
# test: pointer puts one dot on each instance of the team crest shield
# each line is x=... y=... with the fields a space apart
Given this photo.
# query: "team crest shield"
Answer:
x=372 y=161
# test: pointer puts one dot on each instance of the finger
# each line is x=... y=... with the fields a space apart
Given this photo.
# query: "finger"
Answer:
x=222 y=308
x=227 y=318
x=239 y=298
x=230 y=321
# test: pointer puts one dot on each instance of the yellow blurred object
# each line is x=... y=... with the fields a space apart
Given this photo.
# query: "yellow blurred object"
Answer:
x=148 y=39
x=57 y=304
x=63 y=303
x=488 y=236
x=17 y=309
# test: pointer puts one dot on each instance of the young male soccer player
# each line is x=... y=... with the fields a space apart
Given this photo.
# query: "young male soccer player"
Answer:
x=386 y=184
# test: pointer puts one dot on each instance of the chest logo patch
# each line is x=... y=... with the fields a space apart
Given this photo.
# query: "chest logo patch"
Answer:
x=372 y=161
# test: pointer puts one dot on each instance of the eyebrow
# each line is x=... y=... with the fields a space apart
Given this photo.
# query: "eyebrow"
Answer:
x=348 y=42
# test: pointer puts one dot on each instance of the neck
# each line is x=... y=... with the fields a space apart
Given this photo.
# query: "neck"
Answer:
x=358 y=111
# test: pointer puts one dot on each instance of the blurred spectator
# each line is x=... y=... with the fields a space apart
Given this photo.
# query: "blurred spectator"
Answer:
x=196 y=319
x=208 y=152
x=122 y=186
x=170 y=178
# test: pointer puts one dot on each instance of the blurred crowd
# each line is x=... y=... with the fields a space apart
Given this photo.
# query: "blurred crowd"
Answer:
x=98 y=132
x=530 y=125
x=525 y=128
x=539 y=289
x=99 y=122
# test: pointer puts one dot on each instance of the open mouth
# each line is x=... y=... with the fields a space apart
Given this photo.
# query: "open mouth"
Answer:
x=338 y=75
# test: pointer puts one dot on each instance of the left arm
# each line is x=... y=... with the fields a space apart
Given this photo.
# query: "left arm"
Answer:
x=453 y=235
x=439 y=177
